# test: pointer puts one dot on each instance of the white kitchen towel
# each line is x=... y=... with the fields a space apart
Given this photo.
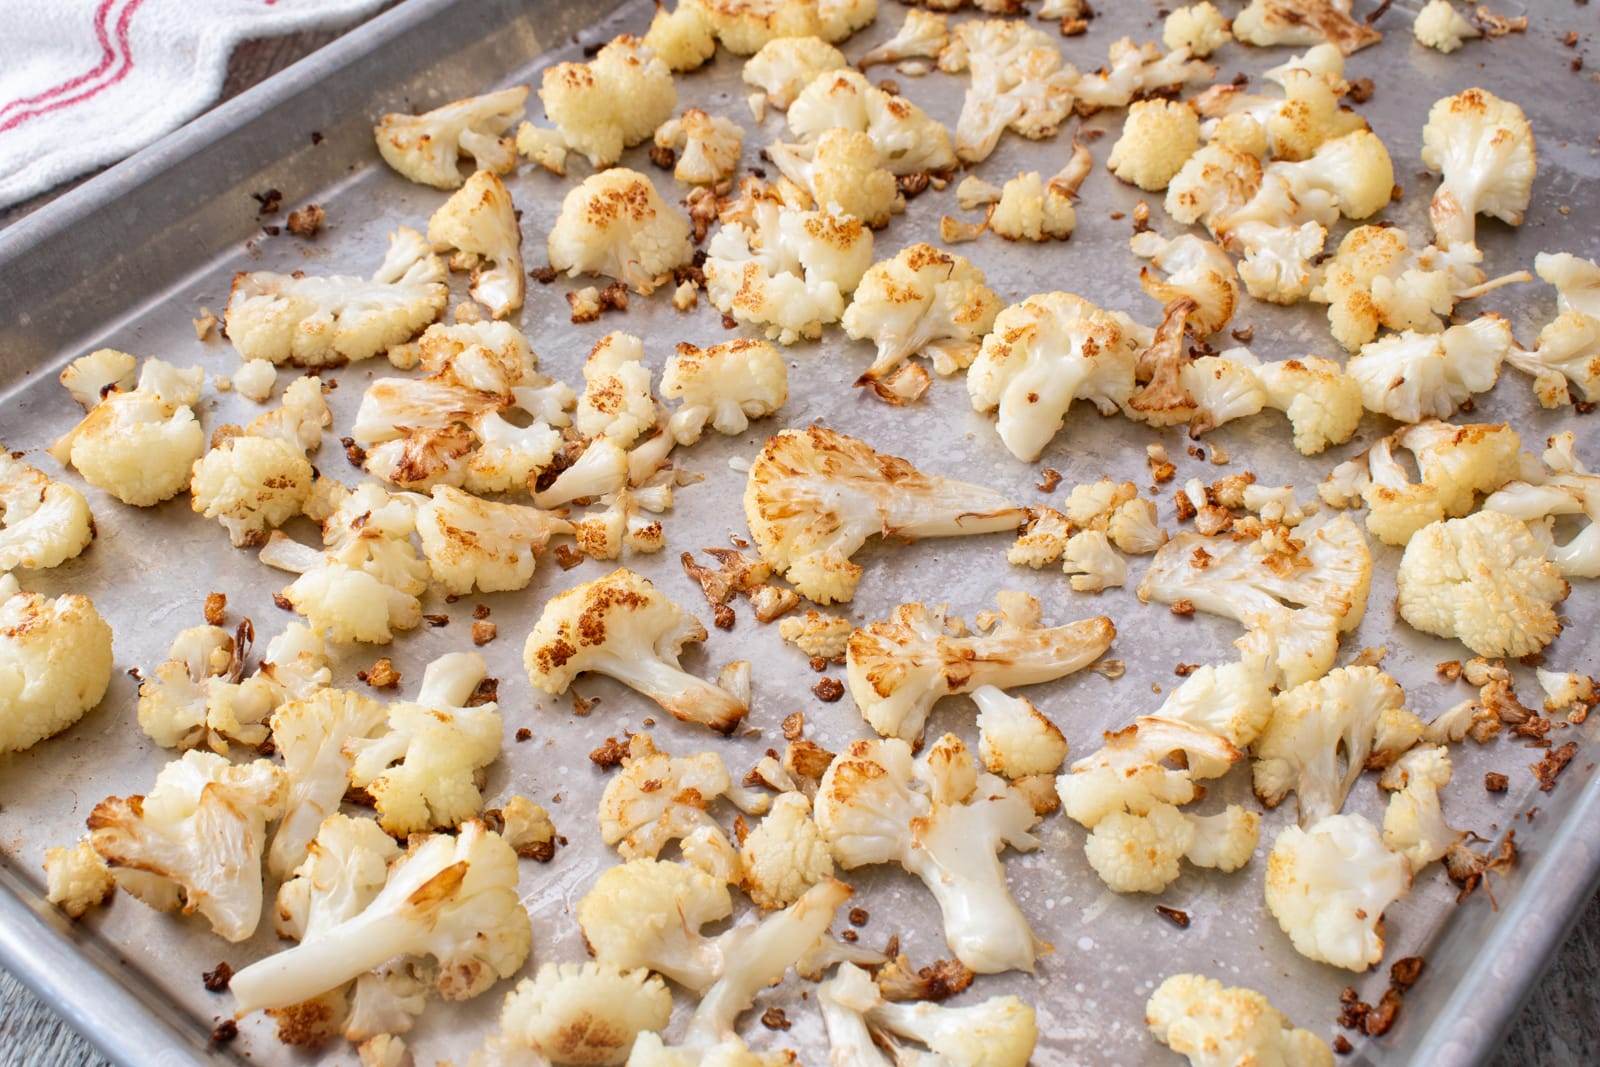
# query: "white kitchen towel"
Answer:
x=84 y=83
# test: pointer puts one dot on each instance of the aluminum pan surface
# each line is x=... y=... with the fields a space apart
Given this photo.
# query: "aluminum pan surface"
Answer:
x=149 y=571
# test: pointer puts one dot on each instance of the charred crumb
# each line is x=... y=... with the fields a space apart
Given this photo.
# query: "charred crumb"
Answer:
x=1177 y=918
x=890 y=86
x=1548 y=769
x=1495 y=782
x=282 y=602
x=1183 y=670
x=568 y=557
x=381 y=675
x=1530 y=813
x=307 y=221
x=1381 y=1019
x=524 y=734
x=436 y=620
x=859 y=916
x=487 y=691
x=133 y=672
x=1449 y=669
x=216 y=980
x=268 y=202
x=1184 y=607
x=1342 y=1045
x=316 y=137
x=794 y=724
x=544 y=275
x=353 y=452
x=663 y=157
x=818 y=664
x=480 y=611
x=729 y=322
x=1196 y=452
x=1469 y=869
x=1378 y=12
x=216 y=608
x=722 y=617
x=913 y=185
x=611 y=752
x=224 y=1032
x=1405 y=972
x=1361 y=90
x=849 y=937
x=483 y=631
x=272 y=231
x=935 y=982
x=582 y=705
x=828 y=690
x=1160 y=468
x=1141 y=217
x=1118 y=216
x=1049 y=478
x=774 y=1019
x=1244 y=334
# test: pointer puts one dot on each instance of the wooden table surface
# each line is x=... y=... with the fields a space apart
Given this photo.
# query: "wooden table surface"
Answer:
x=1559 y=1027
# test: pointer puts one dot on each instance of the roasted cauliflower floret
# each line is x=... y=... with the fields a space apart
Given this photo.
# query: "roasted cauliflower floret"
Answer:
x=1414 y=823
x=310 y=735
x=648 y=913
x=1218 y=1026
x=658 y=798
x=199 y=696
x=1030 y=208
x=1158 y=137
x=615 y=223
x=77 y=879
x=139 y=445
x=818 y=634
x=683 y=38
x=1567 y=488
x=616 y=401
x=1328 y=886
x=922 y=301
x=998 y=1032
x=195 y=840
x=474 y=543
x=1014 y=737
x=1456 y=463
x=907 y=139
x=923 y=34
x=707 y=146
x=1484 y=580
x=612 y=102
x=1194 y=268
x=427 y=148
x=1412 y=376
x=580 y=1013
x=1019 y=81
x=88 y=379
x=785 y=66
x=744 y=26
x=251 y=485
x=43 y=522
x=55 y=663
x=1322 y=402
x=1137 y=71
x=622 y=626
x=1265 y=23
x=1567 y=353
x=1482 y=148
x=1200 y=28
x=784 y=855
x=841 y=171
x=815 y=496
x=1440 y=26
x=480 y=223
x=724 y=386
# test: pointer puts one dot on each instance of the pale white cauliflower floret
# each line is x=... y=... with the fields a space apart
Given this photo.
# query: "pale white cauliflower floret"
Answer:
x=683 y=38
x=480 y=223
x=1218 y=1026
x=1455 y=464
x=1137 y=70
x=138 y=445
x=1567 y=353
x=1328 y=886
x=55 y=663
x=1265 y=23
x=1014 y=737
x=817 y=633
x=76 y=878
x=707 y=146
x=427 y=148
x=1019 y=81
x=615 y=223
x=785 y=66
x=1198 y=27
x=255 y=379
x=923 y=34
x=1482 y=147
x=1375 y=279
x=1412 y=376
x=612 y=102
x=784 y=855
x=1484 y=580
x=251 y=485
x=1158 y=137
x=1565 y=488
x=1030 y=208
x=1322 y=402
x=922 y=301
x=1440 y=26
x=724 y=386
x=744 y=26
x=1195 y=268
x=43 y=522
x=1414 y=823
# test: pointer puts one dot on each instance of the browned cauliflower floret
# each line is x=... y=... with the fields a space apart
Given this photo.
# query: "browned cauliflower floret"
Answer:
x=616 y=224
x=480 y=223
x=427 y=148
x=612 y=102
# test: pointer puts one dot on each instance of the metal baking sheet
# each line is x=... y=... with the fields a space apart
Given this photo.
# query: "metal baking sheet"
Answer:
x=126 y=261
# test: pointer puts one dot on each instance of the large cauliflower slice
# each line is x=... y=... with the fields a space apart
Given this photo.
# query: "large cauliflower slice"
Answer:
x=923 y=301
x=427 y=148
x=365 y=583
x=1046 y=352
x=1358 y=709
x=310 y=734
x=480 y=223
x=312 y=321
x=899 y=668
x=1019 y=81
x=615 y=223
x=785 y=66
x=422 y=771
x=786 y=269
x=583 y=1013
x=1328 y=886
x=472 y=543
x=1301 y=22
x=1138 y=70
x=1568 y=350
x=43 y=522
x=1484 y=580
x=452 y=898
x=814 y=496
x=612 y=102
x=1568 y=488
x=1482 y=148
x=998 y=1032
x=943 y=821
x=1226 y=1026
x=724 y=386
x=55 y=663
x=907 y=139
x=1412 y=376
x=256 y=479
x=195 y=840
x=138 y=445
x=1295 y=593
x=622 y=626
x=658 y=799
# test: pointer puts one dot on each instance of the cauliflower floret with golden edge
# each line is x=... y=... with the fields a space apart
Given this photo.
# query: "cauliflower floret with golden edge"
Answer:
x=923 y=301
x=612 y=102
x=1029 y=208
x=622 y=626
x=1414 y=823
x=1224 y=1026
x=1412 y=376
x=1093 y=564
x=898 y=668
x=1131 y=772
x=1233 y=701
x=320 y=321
x=1142 y=853
x=923 y=34
x=745 y=26
x=1213 y=183
x=195 y=840
x=480 y=223
x=1019 y=81
x=1484 y=580
x=939 y=819
x=707 y=146
x=908 y=140
x=625 y=522
x=1042 y=541
x=724 y=386
x=1567 y=353
x=1042 y=354
x=1294 y=593
x=615 y=223
x=1300 y=22
x=683 y=38
x=998 y=1032
x=1158 y=137
x=427 y=148
x=1328 y=886
x=616 y=398
x=139 y=445
x=648 y=913
x=787 y=270
x=251 y=485
x=1195 y=268
x=1014 y=737
x=1482 y=148
x=579 y=1013
x=310 y=733
x=1322 y=402
x=43 y=522
x=421 y=772
x=1360 y=710
x=1376 y=280
x=77 y=879
x=1138 y=71
x=452 y=898
x=199 y=697
x=1455 y=464
x=1200 y=28
x=1441 y=27
x=1565 y=488
x=841 y=171
x=818 y=634
x=89 y=378
x=814 y=496
x=471 y=543
x=543 y=146
x=55 y=663
x=784 y=855
x=658 y=798
x=785 y=66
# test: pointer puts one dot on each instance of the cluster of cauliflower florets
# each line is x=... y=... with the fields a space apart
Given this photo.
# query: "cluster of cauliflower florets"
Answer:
x=273 y=755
